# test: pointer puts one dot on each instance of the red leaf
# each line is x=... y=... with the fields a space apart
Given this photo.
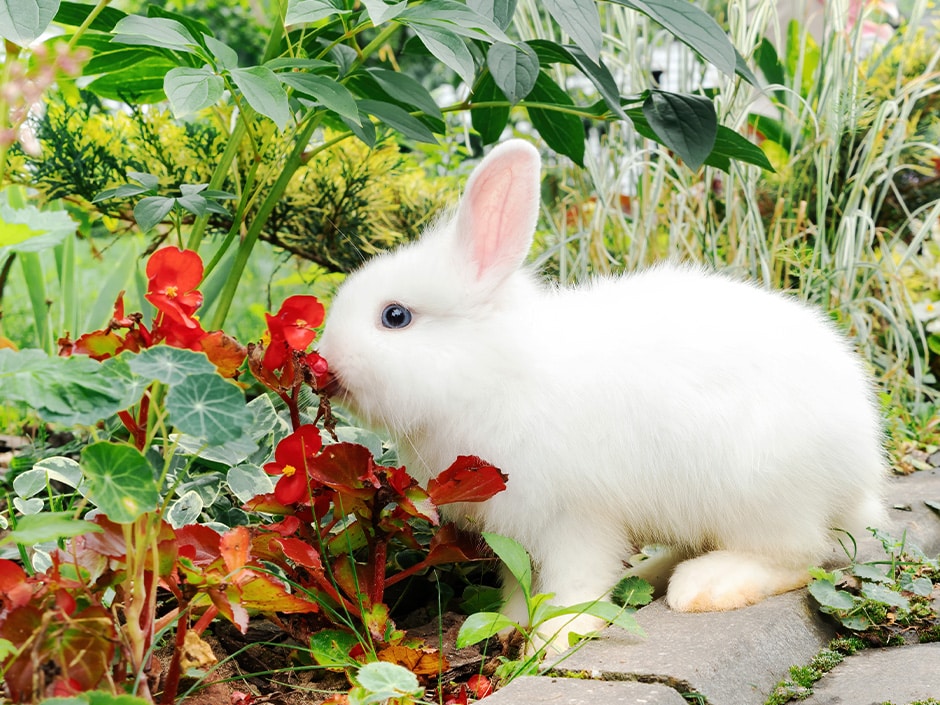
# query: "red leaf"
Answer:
x=223 y=351
x=448 y=545
x=346 y=467
x=14 y=587
x=301 y=553
x=203 y=541
x=235 y=548
x=468 y=479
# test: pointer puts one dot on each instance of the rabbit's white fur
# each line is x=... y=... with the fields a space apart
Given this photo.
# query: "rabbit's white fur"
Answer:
x=672 y=406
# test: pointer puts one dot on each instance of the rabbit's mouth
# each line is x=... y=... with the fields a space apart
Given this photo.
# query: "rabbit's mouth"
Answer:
x=334 y=387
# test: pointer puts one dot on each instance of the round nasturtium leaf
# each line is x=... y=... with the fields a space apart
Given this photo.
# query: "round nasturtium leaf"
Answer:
x=120 y=480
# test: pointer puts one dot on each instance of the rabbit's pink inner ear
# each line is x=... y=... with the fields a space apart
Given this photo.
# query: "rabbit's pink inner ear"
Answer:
x=499 y=210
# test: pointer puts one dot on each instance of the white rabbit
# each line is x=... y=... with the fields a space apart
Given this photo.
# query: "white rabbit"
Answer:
x=671 y=406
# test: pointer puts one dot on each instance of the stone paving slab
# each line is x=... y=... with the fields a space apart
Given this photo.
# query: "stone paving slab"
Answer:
x=535 y=690
x=732 y=658
x=736 y=658
x=899 y=675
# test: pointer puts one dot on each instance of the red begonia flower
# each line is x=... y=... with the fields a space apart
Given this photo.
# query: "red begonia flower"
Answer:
x=174 y=275
x=294 y=324
x=291 y=460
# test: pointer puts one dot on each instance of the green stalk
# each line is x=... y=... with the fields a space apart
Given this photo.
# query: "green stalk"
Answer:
x=293 y=162
x=87 y=23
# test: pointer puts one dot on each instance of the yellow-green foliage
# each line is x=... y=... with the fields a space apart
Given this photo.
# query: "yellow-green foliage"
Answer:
x=346 y=203
x=349 y=202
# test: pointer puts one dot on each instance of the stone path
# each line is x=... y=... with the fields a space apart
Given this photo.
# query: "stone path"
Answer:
x=737 y=658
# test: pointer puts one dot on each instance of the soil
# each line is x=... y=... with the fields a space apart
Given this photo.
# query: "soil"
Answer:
x=269 y=665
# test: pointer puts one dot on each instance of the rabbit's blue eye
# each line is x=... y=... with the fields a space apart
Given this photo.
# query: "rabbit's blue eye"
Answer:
x=396 y=316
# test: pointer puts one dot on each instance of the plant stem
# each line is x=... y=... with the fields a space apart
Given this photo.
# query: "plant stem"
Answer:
x=87 y=23
x=293 y=162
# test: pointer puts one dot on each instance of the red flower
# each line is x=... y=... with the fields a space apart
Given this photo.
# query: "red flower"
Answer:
x=293 y=327
x=174 y=275
x=291 y=459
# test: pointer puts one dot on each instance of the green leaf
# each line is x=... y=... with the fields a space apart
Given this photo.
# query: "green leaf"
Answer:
x=248 y=481
x=226 y=57
x=330 y=93
x=632 y=591
x=514 y=557
x=481 y=626
x=381 y=12
x=191 y=90
x=169 y=365
x=388 y=680
x=449 y=48
x=885 y=595
x=919 y=586
x=195 y=204
x=22 y=21
x=600 y=76
x=514 y=67
x=286 y=62
x=608 y=611
x=562 y=131
x=108 y=57
x=264 y=93
x=122 y=191
x=28 y=229
x=330 y=648
x=36 y=479
x=185 y=510
x=150 y=212
x=397 y=118
x=304 y=11
x=499 y=11
x=454 y=17
x=581 y=21
x=48 y=526
x=142 y=83
x=870 y=572
x=154 y=31
x=209 y=407
x=857 y=622
x=827 y=595
x=730 y=145
x=120 y=481
x=404 y=88
x=686 y=124
x=70 y=390
x=693 y=27
x=74 y=14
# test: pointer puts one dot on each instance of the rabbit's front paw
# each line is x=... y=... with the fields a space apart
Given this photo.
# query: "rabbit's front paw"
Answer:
x=724 y=580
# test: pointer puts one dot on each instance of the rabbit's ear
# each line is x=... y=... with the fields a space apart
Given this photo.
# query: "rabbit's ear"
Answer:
x=497 y=215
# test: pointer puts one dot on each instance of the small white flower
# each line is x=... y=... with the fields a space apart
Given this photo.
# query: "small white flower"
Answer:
x=926 y=311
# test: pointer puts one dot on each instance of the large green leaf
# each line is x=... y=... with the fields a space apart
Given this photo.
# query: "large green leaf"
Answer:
x=48 y=526
x=72 y=390
x=687 y=124
x=28 y=229
x=395 y=117
x=156 y=32
x=108 y=57
x=209 y=407
x=304 y=11
x=489 y=121
x=449 y=48
x=141 y=83
x=405 y=89
x=514 y=557
x=191 y=90
x=828 y=596
x=330 y=93
x=381 y=11
x=515 y=68
x=168 y=364
x=22 y=21
x=264 y=93
x=74 y=14
x=581 y=21
x=561 y=130
x=385 y=681
x=500 y=11
x=691 y=26
x=120 y=481
x=480 y=626
x=454 y=17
